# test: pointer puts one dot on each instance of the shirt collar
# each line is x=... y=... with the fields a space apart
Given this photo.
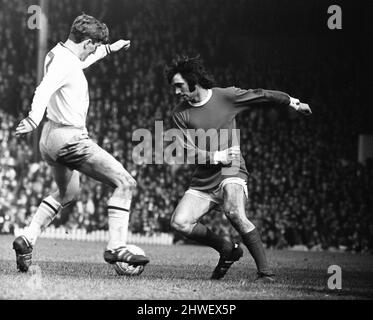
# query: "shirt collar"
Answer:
x=63 y=45
x=204 y=101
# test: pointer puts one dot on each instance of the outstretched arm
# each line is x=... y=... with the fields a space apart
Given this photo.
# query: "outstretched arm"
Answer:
x=105 y=49
x=244 y=99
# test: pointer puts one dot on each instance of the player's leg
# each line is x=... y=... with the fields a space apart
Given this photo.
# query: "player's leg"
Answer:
x=102 y=166
x=192 y=207
x=67 y=181
x=68 y=187
x=234 y=209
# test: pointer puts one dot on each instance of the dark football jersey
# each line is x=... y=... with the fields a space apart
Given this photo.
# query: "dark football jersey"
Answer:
x=219 y=113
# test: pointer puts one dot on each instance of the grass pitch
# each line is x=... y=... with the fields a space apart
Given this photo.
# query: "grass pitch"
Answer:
x=64 y=269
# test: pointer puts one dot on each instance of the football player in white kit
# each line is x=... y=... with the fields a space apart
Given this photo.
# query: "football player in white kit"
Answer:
x=66 y=146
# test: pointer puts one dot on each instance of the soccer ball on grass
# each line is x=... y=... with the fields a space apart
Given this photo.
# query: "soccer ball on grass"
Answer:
x=126 y=269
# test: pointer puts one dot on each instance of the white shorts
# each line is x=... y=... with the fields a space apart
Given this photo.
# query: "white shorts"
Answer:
x=66 y=145
x=217 y=194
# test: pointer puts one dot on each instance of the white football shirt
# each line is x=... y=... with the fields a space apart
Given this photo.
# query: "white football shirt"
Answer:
x=64 y=88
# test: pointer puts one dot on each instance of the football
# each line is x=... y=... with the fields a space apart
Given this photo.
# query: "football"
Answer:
x=126 y=269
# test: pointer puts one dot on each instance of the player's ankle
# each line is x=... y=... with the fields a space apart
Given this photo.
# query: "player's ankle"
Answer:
x=227 y=249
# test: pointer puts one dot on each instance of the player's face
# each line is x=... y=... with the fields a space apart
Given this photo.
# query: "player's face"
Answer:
x=88 y=48
x=181 y=88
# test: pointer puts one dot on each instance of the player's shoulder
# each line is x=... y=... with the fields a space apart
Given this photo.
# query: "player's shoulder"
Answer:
x=180 y=108
x=61 y=54
x=57 y=50
x=180 y=112
x=224 y=90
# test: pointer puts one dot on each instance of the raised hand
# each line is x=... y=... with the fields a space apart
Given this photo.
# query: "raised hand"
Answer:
x=300 y=107
x=305 y=109
x=120 y=44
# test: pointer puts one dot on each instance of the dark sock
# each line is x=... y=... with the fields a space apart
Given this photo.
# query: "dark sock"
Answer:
x=254 y=243
x=203 y=235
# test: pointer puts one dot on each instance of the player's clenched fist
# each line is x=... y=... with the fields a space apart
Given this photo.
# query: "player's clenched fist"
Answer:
x=226 y=156
x=120 y=44
x=25 y=126
x=305 y=109
x=300 y=107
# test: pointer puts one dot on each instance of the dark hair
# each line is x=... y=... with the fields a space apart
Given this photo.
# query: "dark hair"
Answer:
x=87 y=27
x=192 y=70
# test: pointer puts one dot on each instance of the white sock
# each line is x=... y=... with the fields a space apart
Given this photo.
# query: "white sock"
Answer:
x=119 y=213
x=47 y=211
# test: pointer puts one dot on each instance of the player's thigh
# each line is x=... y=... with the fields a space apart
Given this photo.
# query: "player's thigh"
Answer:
x=102 y=166
x=190 y=209
x=234 y=198
x=67 y=181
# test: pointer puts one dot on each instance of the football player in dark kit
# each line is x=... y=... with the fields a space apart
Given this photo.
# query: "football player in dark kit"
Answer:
x=219 y=180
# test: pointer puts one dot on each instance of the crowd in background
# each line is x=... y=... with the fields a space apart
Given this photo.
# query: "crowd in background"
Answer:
x=306 y=186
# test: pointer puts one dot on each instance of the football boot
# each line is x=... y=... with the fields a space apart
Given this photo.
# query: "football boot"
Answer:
x=265 y=277
x=23 y=249
x=122 y=254
x=226 y=261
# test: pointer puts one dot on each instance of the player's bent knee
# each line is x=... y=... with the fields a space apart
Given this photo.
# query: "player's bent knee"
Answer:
x=181 y=225
x=231 y=209
x=66 y=196
x=126 y=182
x=71 y=195
x=175 y=225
